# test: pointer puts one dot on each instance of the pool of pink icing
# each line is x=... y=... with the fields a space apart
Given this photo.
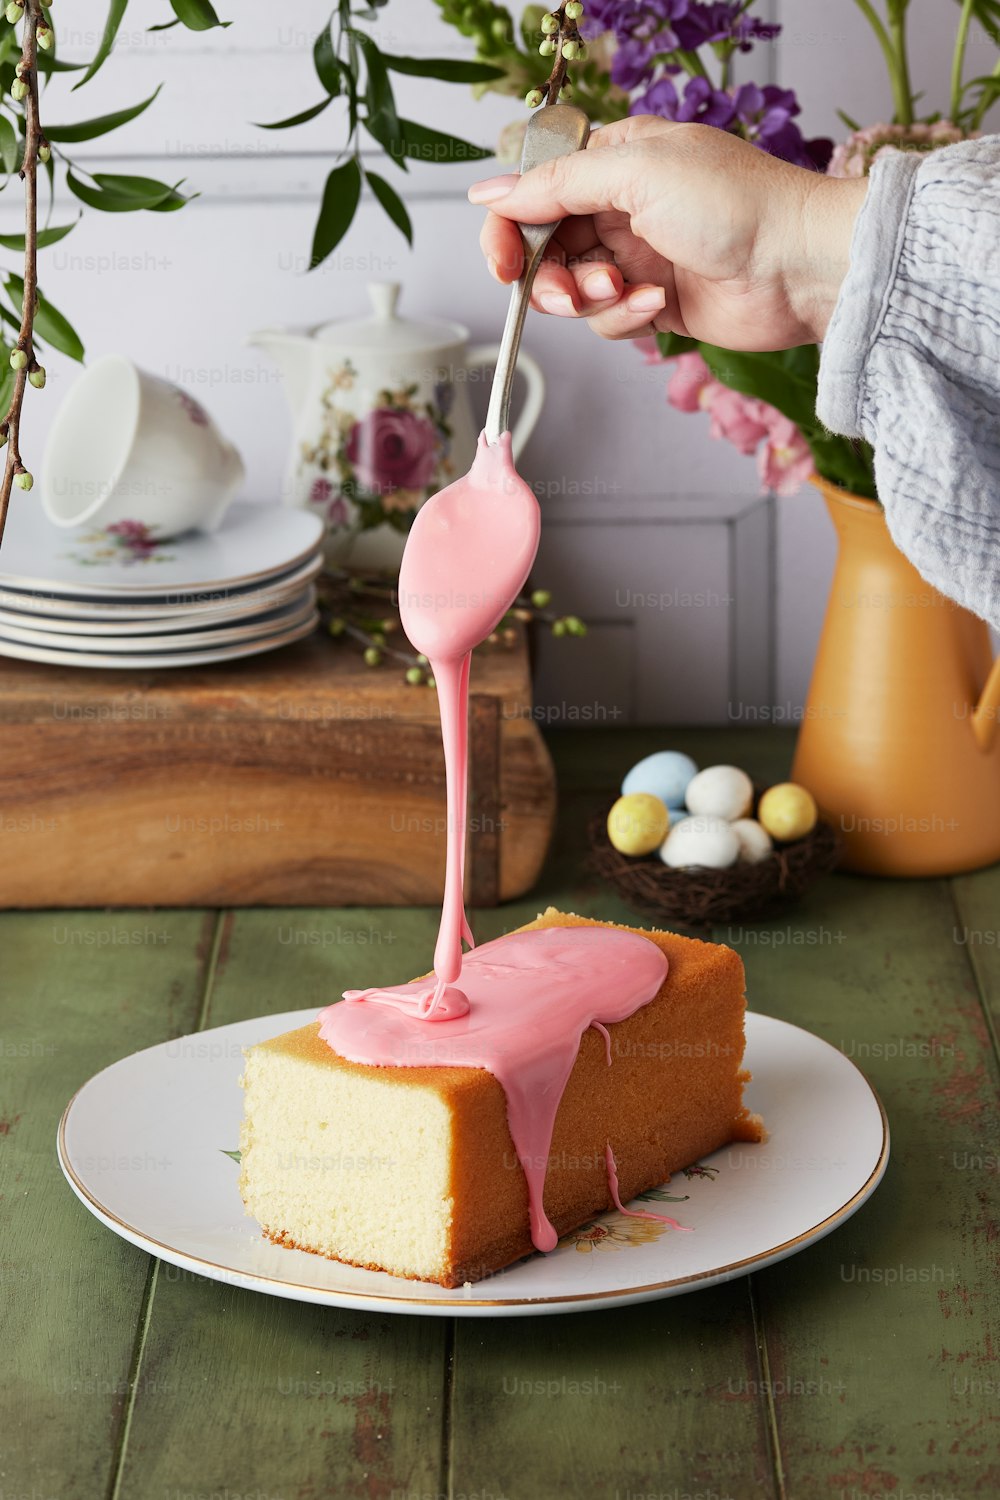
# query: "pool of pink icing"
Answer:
x=531 y=996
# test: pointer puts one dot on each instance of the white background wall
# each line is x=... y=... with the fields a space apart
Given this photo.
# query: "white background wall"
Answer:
x=179 y=293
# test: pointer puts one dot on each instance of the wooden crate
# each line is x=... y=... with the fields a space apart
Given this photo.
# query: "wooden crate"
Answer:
x=301 y=777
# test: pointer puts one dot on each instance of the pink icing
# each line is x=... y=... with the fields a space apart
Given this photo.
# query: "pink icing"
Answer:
x=467 y=556
x=531 y=997
x=526 y=999
x=633 y=1213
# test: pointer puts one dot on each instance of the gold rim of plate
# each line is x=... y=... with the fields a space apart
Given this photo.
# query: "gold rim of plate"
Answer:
x=234 y=1277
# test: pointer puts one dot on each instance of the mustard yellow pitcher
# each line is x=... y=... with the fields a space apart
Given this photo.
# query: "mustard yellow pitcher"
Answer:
x=899 y=741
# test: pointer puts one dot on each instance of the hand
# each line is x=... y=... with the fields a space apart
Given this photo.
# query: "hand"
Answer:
x=679 y=228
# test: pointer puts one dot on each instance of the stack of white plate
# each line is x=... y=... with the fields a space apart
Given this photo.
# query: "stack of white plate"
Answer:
x=117 y=598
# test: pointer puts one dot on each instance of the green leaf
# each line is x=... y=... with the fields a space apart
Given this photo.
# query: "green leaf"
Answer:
x=851 y=124
x=116 y=11
x=233 y=1155
x=9 y=152
x=421 y=143
x=48 y=64
x=378 y=92
x=448 y=70
x=6 y=379
x=340 y=201
x=45 y=237
x=196 y=15
x=326 y=62
x=114 y=194
x=49 y=323
x=89 y=130
x=307 y=114
x=672 y=344
x=392 y=203
x=164 y=25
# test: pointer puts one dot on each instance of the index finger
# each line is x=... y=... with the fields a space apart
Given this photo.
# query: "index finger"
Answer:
x=501 y=243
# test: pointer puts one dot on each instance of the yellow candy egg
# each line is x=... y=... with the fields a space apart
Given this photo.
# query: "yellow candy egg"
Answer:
x=638 y=823
x=787 y=811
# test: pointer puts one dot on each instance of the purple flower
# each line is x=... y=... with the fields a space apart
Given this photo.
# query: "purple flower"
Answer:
x=643 y=30
x=722 y=21
x=767 y=116
x=700 y=102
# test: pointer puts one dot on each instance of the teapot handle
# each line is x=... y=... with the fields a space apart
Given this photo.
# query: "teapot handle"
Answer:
x=534 y=399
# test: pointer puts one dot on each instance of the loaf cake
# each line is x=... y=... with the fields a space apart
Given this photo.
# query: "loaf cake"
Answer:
x=412 y=1168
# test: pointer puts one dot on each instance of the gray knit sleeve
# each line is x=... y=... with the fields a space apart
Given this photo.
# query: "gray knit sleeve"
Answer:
x=911 y=361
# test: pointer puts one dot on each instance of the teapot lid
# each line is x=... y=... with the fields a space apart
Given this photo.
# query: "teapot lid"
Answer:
x=386 y=330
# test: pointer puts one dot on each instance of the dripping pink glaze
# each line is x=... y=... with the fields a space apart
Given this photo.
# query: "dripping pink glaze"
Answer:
x=467 y=556
x=633 y=1213
x=531 y=996
x=607 y=1039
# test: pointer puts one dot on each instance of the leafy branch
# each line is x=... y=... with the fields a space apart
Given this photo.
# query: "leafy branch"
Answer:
x=352 y=68
x=25 y=145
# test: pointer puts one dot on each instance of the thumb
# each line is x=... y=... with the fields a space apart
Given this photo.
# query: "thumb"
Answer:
x=587 y=182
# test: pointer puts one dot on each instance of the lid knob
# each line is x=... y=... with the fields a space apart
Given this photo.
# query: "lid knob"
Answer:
x=384 y=296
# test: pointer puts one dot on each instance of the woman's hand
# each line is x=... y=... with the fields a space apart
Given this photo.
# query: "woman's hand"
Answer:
x=679 y=228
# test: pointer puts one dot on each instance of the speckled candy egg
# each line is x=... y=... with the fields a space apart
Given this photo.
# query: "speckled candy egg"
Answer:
x=665 y=775
x=638 y=823
x=720 y=792
x=706 y=842
x=788 y=811
x=755 y=841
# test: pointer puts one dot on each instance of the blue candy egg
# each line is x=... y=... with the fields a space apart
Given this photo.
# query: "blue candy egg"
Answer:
x=665 y=775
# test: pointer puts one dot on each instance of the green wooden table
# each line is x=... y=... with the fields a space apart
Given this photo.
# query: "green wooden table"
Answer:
x=865 y=1366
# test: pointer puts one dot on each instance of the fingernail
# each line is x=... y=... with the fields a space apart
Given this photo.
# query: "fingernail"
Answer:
x=492 y=188
x=557 y=302
x=647 y=299
x=599 y=287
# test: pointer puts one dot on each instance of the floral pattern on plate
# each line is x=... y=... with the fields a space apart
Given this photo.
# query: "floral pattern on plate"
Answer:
x=125 y=541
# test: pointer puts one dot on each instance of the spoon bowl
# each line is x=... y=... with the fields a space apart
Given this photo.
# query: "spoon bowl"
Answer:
x=468 y=555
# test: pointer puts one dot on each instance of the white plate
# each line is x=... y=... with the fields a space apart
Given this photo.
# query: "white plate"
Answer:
x=71 y=615
x=144 y=1146
x=254 y=542
x=296 y=613
x=206 y=657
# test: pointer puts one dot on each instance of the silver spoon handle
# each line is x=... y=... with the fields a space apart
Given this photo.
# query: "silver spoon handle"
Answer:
x=555 y=130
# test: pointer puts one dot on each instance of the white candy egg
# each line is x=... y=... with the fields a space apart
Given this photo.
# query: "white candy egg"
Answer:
x=720 y=792
x=755 y=841
x=708 y=842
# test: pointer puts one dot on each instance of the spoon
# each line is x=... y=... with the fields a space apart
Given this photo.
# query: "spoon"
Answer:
x=467 y=557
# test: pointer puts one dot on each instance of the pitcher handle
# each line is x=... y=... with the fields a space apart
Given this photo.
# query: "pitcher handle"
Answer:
x=534 y=399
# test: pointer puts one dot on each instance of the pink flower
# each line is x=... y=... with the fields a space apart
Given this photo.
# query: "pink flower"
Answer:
x=650 y=351
x=784 y=462
x=691 y=386
x=743 y=420
x=392 y=450
x=855 y=156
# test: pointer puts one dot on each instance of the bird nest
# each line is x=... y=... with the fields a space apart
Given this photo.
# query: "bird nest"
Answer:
x=698 y=896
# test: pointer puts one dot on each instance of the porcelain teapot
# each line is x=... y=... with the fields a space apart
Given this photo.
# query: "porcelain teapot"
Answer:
x=382 y=419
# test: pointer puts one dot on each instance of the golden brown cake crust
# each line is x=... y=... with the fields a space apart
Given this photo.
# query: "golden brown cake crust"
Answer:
x=672 y=1095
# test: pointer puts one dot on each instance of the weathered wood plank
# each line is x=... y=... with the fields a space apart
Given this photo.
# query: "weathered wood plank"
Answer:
x=80 y=991
x=976 y=930
x=612 y=1404
x=882 y=1339
x=262 y=1396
